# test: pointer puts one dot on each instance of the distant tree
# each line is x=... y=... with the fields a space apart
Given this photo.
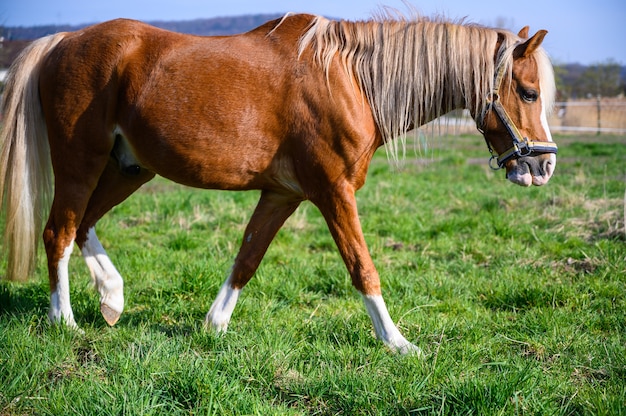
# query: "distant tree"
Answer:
x=602 y=79
x=563 y=89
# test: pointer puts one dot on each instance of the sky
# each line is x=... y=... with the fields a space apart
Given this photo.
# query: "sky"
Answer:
x=582 y=31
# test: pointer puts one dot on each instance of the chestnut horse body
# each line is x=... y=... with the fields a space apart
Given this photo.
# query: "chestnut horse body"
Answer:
x=295 y=108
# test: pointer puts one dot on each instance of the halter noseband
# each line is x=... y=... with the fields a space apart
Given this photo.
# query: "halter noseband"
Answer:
x=521 y=145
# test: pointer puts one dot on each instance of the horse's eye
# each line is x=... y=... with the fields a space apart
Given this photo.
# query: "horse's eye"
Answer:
x=529 y=95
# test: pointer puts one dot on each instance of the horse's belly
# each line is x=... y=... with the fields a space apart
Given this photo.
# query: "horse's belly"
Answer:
x=206 y=163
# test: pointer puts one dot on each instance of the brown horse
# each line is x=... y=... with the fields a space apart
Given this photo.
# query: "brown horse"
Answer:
x=295 y=108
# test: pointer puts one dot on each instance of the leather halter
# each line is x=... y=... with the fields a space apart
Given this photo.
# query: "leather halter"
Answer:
x=522 y=146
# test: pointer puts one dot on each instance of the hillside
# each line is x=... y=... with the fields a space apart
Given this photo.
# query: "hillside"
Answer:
x=13 y=39
x=203 y=27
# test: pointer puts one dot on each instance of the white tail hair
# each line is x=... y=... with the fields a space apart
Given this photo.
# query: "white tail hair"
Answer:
x=25 y=166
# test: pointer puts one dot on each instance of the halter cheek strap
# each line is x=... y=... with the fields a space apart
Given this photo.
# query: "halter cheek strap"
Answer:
x=521 y=146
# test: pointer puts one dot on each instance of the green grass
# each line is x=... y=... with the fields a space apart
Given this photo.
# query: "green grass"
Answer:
x=516 y=295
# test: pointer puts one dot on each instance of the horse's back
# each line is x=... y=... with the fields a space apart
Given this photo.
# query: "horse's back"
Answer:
x=227 y=112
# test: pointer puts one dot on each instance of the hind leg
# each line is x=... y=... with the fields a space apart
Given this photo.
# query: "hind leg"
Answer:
x=113 y=188
x=270 y=214
x=70 y=201
x=58 y=268
x=107 y=280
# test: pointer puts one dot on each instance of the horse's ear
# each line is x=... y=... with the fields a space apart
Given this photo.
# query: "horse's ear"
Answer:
x=524 y=32
x=530 y=46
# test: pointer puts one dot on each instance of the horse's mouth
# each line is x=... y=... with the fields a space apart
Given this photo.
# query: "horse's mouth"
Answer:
x=531 y=170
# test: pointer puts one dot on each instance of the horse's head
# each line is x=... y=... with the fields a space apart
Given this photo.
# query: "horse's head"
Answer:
x=515 y=119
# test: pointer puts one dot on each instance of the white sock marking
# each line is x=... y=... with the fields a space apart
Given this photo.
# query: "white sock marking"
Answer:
x=107 y=279
x=385 y=329
x=60 y=306
x=219 y=315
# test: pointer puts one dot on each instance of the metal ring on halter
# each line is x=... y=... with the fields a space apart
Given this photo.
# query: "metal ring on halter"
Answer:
x=497 y=165
x=492 y=97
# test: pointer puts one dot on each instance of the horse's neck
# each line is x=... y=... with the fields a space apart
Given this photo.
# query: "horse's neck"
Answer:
x=410 y=72
x=451 y=71
x=450 y=99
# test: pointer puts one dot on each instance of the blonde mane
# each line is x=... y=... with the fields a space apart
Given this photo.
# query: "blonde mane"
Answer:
x=413 y=71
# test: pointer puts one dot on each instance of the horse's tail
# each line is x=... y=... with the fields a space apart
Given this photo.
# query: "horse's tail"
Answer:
x=25 y=165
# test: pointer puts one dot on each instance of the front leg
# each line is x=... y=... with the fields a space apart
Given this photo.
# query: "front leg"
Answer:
x=270 y=214
x=339 y=209
x=384 y=327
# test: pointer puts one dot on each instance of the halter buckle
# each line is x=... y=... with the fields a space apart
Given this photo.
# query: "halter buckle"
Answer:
x=523 y=148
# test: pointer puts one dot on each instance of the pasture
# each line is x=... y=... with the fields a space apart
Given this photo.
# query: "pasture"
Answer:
x=516 y=295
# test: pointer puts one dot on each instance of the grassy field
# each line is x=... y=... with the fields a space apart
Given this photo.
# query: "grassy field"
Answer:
x=516 y=295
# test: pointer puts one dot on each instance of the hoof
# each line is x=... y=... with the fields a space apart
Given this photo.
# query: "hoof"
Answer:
x=410 y=349
x=109 y=314
x=211 y=326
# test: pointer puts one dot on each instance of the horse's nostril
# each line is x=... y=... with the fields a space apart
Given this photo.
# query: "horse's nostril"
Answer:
x=536 y=167
x=548 y=167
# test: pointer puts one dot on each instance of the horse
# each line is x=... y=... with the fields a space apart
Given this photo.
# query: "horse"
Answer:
x=295 y=108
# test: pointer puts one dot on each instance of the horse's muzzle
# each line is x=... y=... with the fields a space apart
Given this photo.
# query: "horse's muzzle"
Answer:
x=531 y=170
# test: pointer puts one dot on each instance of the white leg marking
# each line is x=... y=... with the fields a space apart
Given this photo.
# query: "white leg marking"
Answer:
x=385 y=329
x=106 y=278
x=60 y=306
x=219 y=315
